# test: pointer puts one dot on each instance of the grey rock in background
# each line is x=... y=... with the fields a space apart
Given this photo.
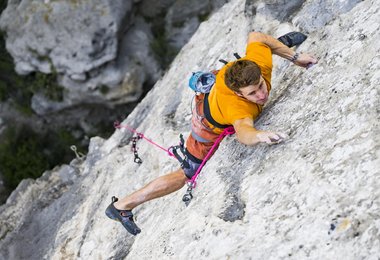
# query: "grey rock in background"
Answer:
x=82 y=42
x=315 y=15
x=184 y=17
x=101 y=53
x=276 y=9
x=315 y=196
x=101 y=50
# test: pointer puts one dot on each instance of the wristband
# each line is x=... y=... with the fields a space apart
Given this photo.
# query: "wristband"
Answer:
x=295 y=57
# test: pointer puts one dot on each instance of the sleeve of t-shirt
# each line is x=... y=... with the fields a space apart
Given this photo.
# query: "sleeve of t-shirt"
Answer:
x=262 y=55
x=240 y=109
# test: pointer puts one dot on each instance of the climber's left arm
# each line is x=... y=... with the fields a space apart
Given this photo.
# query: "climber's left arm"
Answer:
x=280 y=49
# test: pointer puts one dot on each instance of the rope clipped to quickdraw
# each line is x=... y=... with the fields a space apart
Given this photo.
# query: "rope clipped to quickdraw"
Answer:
x=139 y=136
x=192 y=183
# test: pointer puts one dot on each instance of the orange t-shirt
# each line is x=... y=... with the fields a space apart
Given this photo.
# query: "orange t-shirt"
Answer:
x=225 y=106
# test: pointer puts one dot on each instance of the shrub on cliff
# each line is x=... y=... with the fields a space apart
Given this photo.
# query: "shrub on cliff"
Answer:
x=26 y=154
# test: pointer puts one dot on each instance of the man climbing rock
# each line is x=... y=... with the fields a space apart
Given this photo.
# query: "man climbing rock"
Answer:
x=237 y=98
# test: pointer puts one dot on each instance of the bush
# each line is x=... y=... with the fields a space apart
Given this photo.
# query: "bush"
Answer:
x=26 y=154
x=20 y=89
x=21 y=156
x=47 y=85
x=3 y=91
x=161 y=48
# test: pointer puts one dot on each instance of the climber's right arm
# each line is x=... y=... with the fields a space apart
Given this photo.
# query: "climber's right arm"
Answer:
x=247 y=134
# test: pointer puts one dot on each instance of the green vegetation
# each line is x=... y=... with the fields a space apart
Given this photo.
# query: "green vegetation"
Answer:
x=46 y=18
x=47 y=85
x=179 y=24
x=20 y=89
x=26 y=154
x=3 y=93
x=3 y=5
x=21 y=157
x=203 y=17
x=23 y=152
x=104 y=89
x=162 y=50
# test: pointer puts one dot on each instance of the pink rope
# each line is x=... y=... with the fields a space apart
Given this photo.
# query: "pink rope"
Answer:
x=227 y=131
x=119 y=126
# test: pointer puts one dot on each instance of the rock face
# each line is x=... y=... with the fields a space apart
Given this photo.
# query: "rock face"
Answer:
x=85 y=43
x=105 y=54
x=316 y=196
x=100 y=50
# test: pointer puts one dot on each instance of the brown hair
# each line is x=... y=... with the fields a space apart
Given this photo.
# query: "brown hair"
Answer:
x=242 y=73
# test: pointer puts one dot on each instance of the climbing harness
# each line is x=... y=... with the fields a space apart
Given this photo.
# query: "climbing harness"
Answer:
x=181 y=148
x=192 y=183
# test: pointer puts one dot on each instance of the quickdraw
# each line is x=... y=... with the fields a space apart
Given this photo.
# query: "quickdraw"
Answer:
x=171 y=151
x=80 y=156
x=134 y=149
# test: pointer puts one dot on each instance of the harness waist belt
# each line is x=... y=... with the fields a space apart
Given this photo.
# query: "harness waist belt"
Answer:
x=199 y=138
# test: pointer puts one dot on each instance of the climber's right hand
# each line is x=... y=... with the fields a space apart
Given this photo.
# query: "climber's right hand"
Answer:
x=269 y=137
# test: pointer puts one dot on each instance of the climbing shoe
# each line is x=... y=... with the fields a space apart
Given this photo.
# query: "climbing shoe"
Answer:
x=125 y=217
x=292 y=39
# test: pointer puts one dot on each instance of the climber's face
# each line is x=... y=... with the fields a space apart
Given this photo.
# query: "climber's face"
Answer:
x=255 y=93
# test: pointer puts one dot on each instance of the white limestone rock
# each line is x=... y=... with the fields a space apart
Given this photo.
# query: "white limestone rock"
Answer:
x=100 y=50
x=315 y=196
x=96 y=51
x=183 y=18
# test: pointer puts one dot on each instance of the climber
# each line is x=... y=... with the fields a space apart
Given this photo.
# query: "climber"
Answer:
x=237 y=98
